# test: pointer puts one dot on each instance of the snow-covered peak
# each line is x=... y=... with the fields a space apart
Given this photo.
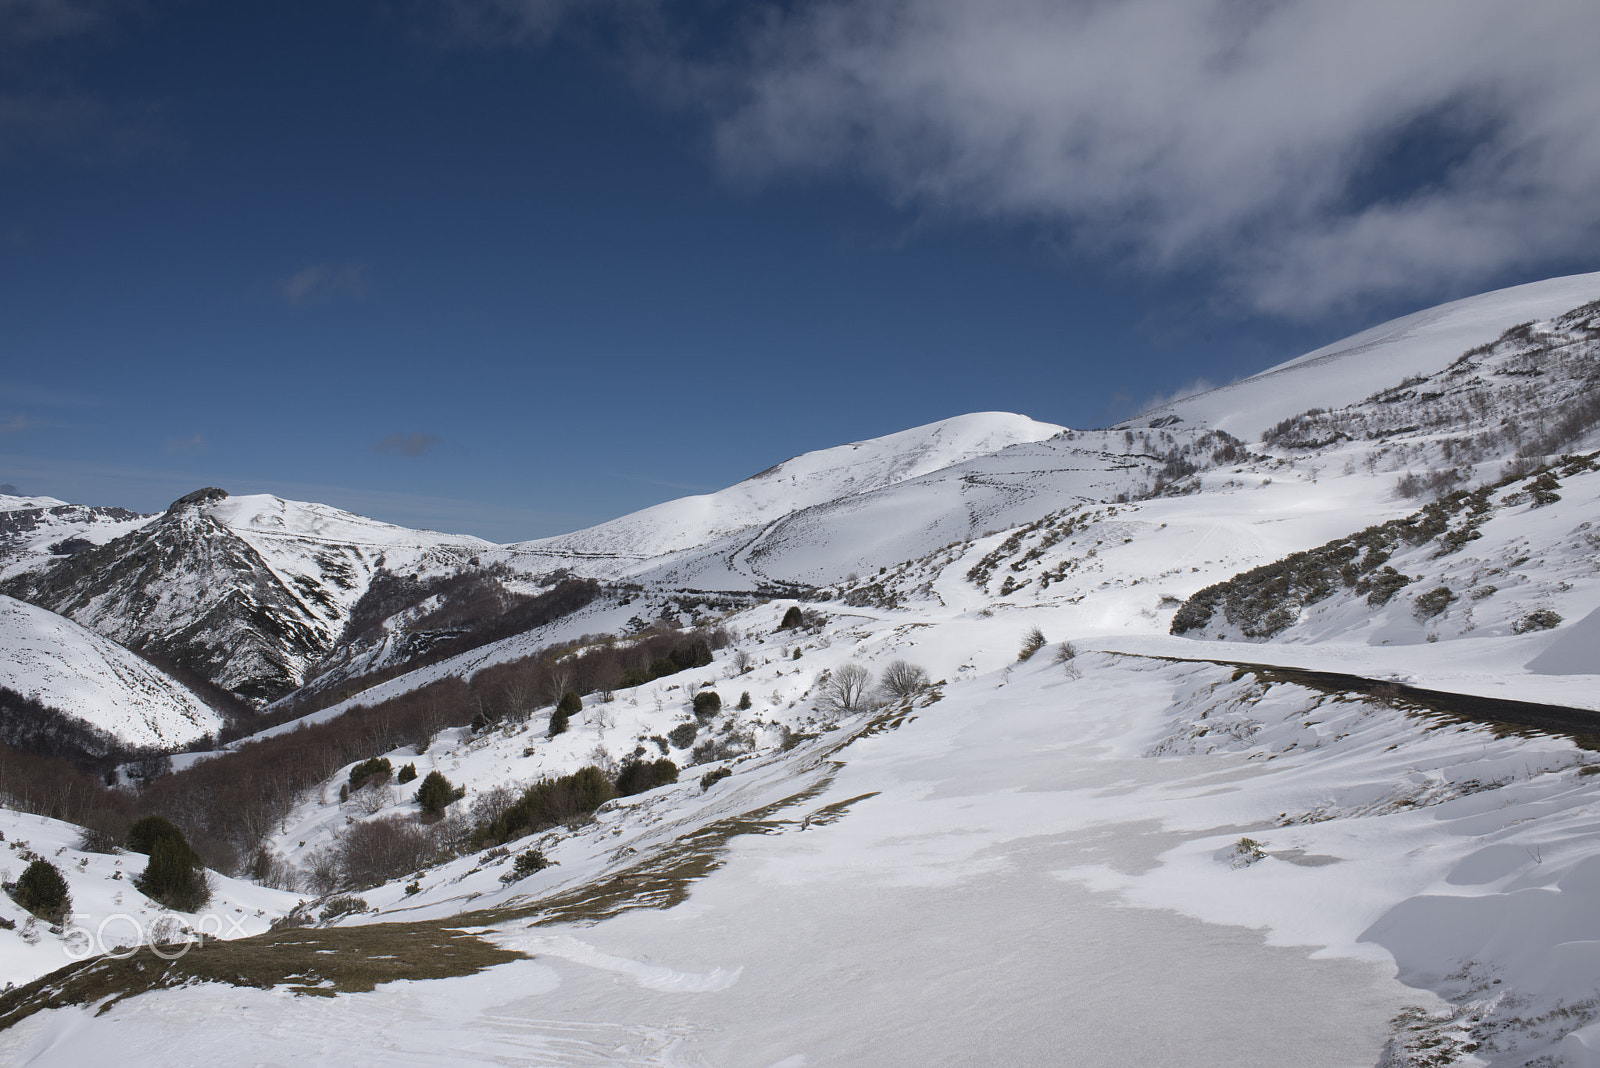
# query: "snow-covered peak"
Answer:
x=1358 y=366
x=801 y=482
x=74 y=670
x=11 y=503
x=265 y=514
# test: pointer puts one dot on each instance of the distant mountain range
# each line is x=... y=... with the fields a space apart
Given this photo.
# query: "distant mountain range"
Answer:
x=259 y=594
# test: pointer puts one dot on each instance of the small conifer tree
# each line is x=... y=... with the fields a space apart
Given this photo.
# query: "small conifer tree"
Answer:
x=436 y=793
x=173 y=876
x=43 y=892
x=559 y=719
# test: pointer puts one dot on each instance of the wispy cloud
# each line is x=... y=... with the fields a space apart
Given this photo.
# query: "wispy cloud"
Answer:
x=1307 y=153
x=16 y=423
x=321 y=282
x=50 y=398
x=1199 y=385
x=32 y=21
x=39 y=112
x=503 y=21
x=415 y=444
x=191 y=444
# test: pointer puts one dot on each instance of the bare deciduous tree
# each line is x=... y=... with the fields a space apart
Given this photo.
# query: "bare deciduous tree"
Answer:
x=558 y=682
x=901 y=680
x=845 y=690
x=490 y=805
x=374 y=798
x=322 y=870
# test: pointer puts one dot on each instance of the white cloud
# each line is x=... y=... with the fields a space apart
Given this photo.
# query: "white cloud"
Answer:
x=321 y=282
x=1240 y=137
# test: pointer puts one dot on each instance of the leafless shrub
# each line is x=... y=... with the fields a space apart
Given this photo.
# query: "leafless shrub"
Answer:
x=1032 y=642
x=1065 y=653
x=269 y=869
x=451 y=835
x=901 y=680
x=374 y=798
x=1385 y=693
x=845 y=690
x=1431 y=483
x=379 y=850
x=321 y=870
x=492 y=804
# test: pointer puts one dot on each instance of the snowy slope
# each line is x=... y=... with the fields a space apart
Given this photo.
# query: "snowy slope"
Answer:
x=859 y=533
x=33 y=530
x=1070 y=837
x=74 y=670
x=326 y=557
x=109 y=914
x=802 y=482
x=1348 y=370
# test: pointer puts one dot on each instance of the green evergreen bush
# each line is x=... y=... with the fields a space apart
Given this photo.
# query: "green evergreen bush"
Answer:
x=638 y=776
x=406 y=774
x=378 y=769
x=545 y=804
x=43 y=892
x=173 y=878
x=1427 y=605
x=528 y=861
x=707 y=703
x=145 y=833
x=436 y=793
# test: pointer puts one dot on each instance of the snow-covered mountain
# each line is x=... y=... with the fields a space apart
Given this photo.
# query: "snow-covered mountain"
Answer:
x=249 y=592
x=71 y=669
x=807 y=481
x=33 y=530
x=1163 y=745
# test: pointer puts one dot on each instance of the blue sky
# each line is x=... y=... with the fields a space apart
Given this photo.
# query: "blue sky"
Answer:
x=512 y=267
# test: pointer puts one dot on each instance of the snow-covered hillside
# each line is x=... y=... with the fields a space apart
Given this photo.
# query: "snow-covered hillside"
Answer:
x=777 y=493
x=109 y=914
x=1346 y=371
x=93 y=679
